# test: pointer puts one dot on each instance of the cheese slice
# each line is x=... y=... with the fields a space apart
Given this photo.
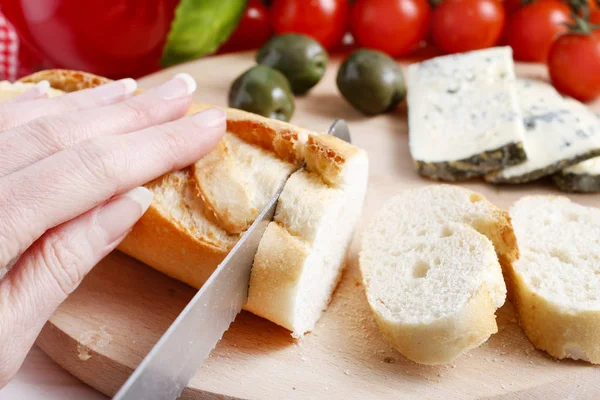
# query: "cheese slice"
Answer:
x=463 y=114
x=583 y=177
x=559 y=132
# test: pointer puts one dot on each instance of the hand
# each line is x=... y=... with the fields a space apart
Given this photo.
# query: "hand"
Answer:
x=70 y=170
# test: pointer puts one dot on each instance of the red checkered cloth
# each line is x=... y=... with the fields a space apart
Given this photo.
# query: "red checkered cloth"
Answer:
x=15 y=60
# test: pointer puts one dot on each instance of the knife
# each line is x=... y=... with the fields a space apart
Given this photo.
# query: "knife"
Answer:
x=167 y=369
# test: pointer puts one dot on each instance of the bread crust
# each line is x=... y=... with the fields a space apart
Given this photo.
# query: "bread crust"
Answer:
x=443 y=340
x=561 y=333
x=166 y=246
x=66 y=80
x=501 y=233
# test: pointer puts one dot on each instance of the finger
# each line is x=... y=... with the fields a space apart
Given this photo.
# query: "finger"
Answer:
x=29 y=143
x=73 y=181
x=54 y=266
x=15 y=114
x=39 y=91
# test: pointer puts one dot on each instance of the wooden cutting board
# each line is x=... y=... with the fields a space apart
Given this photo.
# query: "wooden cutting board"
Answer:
x=105 y=328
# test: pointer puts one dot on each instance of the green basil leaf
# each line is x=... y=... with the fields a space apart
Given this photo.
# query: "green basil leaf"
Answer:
x=200 y=27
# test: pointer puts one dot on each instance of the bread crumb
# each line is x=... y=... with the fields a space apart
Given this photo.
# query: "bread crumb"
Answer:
x=97 y=339
x=346 y=372
x=529 y=350
x=503 y=386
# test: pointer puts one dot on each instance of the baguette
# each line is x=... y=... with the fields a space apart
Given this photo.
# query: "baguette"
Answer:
x=431 y=272
x=198 y=213
x=556 y=281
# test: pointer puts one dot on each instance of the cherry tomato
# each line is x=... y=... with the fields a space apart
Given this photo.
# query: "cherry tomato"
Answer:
x=532 y=29
x=395 y=27
x=116 y=38
x=595 y=16
x=574 y=62
x=512 y=5
x=323 y=20
x=252 y=31
x=464 y=25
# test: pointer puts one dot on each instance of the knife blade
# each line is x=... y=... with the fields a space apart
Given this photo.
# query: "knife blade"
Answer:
x=167 y=369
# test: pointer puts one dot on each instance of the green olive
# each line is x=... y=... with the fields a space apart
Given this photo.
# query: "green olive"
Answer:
x=263 y=90
x=301 y=59
x=371 y=81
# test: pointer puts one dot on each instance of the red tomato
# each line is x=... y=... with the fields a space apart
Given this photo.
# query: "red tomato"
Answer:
x=595 y=17
x=252 y=31
x=323 y=20
x=116 y=38
x=512 y=5
x=592 y=5
x=464 y=25
x=395 y=27
x=574 y=62
x=532 y=29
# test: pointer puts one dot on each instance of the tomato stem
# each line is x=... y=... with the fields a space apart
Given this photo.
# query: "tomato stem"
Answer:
x=581 y=23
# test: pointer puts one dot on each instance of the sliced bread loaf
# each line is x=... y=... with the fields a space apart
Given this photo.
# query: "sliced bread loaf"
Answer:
x=432 y=280
x=200 y=212
x=556 y=282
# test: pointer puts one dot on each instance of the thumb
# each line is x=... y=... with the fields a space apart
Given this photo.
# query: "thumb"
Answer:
x=54 y=266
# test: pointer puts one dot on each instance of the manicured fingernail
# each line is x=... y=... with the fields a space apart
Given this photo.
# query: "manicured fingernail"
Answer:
x=209 y=118
x=180 y=85
x=120 y=214
x=130 y=85
x=42 y=86
x=116 y=89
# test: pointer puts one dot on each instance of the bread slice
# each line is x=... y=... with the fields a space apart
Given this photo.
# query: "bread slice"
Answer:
x=200 y=212
x=300 y=258
x=431 y=272
x=557 y=280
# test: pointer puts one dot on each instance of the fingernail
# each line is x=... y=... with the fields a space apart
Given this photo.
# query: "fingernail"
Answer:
x=115 y=89
x=130 y=85
x=42 y=86
x=180 y=85
x=209 y=118
x=120 y=214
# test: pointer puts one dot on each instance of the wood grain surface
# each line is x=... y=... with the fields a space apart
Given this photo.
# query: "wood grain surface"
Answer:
x=102 y=332
x=40 y=378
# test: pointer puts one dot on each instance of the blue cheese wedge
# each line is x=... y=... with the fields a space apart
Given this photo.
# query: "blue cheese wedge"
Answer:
x=463 y=114
x=559 y=132
x=580 y=178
